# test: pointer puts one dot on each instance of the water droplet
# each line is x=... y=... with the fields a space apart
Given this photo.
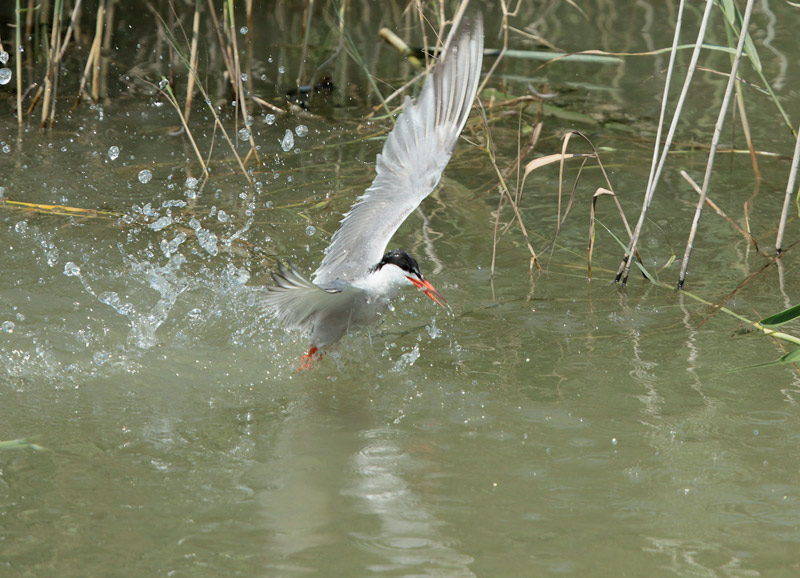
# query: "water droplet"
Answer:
x=2 y=192
x=192 y=182
x=5 y=74
x=287 y=143
x=222 y=216
x=244 y=77
x=71 y=269
x=243 y=30
x=269 y=118
x=52 y=257
x=8 y=326
x=6 y=149
x=301 y=130
x=244 y=134
x=163 y=83
x=310 y=230
x=21 y=227
x=113 y=153
x=268 y=204
x=149 y=211
x=281 y=69
x=161 y=223
x=145 y=176
x=3 y=56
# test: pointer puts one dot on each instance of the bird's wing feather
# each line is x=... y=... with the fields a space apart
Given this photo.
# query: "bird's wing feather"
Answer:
x=297 y=302
x=409 y=167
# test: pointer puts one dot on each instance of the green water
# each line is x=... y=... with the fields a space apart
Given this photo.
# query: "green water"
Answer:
x=546 y=425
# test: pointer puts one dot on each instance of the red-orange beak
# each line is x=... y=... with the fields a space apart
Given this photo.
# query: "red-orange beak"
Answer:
x=428 y=289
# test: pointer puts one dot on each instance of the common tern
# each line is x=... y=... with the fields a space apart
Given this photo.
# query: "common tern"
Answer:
x=357 y=279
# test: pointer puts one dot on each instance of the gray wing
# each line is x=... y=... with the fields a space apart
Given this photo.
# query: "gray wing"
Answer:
x=409 y=167
x=298 y=303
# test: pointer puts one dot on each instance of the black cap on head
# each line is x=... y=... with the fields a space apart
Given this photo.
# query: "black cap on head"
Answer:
x=401 y=259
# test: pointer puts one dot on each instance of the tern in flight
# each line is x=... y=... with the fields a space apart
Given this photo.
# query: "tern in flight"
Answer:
x=357 y=279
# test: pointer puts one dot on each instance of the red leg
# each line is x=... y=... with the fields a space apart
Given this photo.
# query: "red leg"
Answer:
x=308 y=358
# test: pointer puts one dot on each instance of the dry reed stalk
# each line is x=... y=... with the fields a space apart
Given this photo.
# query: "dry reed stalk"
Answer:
x=106 y=25
x=217 y=122
x=515 y=167
x=746 y=129
x=237 y=80
x=59 y=58
x=50 y=77
x=94 y=52
x=57 y=209
x=601 y=191
x=745 y=233
x=167 y=90
x=503 y=50
x=63 y=49
x=384 y=104
x=507 y=194
x=308 y=8
x=660 y=157
x=790 y=189
x=73 y=27
x=561 y=158
x=18 y=61
x=30 y=12
x=187 y=109
x=424 y=32
x=715 y=141
x=223 y=46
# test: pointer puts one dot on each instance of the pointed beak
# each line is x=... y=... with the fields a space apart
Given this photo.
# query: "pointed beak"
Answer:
x=428 y=289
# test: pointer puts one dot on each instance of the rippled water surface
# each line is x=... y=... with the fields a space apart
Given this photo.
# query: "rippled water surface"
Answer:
x=546 y=425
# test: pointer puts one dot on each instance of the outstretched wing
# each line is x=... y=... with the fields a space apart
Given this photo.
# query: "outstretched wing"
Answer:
x=409 y=167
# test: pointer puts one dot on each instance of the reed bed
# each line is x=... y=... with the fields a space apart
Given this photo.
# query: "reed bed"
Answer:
x=203 y=57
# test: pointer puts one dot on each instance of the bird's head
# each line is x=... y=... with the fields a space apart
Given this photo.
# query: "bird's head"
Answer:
x=399 y=265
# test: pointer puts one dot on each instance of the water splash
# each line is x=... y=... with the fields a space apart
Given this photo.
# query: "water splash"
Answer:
x=406 y=360
x=169 y=248
x=206 y=238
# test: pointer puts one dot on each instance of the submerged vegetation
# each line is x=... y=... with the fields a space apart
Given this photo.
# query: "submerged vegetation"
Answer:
x=205 y=60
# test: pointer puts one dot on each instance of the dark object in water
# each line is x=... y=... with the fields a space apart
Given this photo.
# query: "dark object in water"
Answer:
x=301 y=94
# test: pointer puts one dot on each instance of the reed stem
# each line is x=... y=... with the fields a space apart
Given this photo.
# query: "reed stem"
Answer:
x=723 y=110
